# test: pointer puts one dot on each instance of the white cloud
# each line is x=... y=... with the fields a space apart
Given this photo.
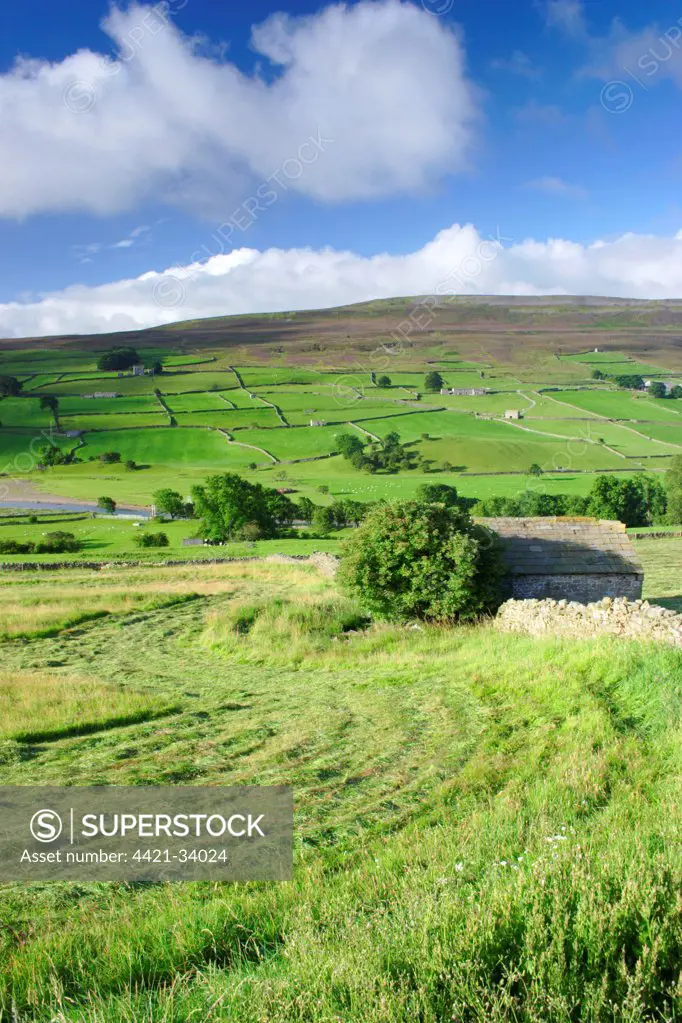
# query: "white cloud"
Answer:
x=163 y=118
x=518 y=64
x=557 y=187
x=533 y=112
x=458 y=261
x=654 y=53
x=568 y=16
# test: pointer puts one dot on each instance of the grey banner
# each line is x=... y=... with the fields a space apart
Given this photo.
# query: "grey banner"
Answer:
x=146 y=833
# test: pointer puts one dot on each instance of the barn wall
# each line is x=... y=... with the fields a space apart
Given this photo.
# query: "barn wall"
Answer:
x=585 y=589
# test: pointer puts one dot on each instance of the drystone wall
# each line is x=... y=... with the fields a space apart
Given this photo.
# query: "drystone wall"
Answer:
x=630 y=619
x=579 y=587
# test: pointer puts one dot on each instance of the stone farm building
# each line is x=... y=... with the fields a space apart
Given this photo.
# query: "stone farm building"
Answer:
x=579 y=559
x=462 y=391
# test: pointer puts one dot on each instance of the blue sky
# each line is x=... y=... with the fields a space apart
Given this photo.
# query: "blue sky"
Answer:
x=128 y=143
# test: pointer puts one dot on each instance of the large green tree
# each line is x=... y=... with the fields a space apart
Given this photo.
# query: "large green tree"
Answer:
x=10 y=387
x=118 y=359
x=673 y=482
x=348 y=444
x=50 y=402
x=227 y=502
x=433 y=381
x=637 y=501
x=169 y=502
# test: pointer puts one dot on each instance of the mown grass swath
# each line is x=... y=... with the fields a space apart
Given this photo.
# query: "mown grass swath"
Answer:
x=486 y=824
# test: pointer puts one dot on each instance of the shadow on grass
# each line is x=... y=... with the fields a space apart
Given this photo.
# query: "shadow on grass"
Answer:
x=88 y=727
x=51 y=631
x=672 y=603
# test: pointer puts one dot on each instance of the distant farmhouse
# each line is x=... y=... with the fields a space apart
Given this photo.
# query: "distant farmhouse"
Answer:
x=461 y=391
x=317 y=422
x=512 y=413
x=102 y=394
x=668 y=384
x=138 y=371
x=579 y=559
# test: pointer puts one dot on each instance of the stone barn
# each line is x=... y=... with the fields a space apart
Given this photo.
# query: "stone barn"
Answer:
x=579 y=559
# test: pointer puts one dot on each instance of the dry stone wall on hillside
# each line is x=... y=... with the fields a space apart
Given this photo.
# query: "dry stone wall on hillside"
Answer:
x=630 y=619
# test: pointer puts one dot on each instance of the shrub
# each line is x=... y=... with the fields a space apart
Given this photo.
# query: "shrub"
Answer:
x=130 y=464
x=110 y=457
x=426 y=561
x=50 y=454
x=152 y=540
x=14 y=547
x=250 y=532
x=58 y=542
x=106 y=504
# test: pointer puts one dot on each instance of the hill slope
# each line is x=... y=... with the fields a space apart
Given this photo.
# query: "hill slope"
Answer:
x=479 y=324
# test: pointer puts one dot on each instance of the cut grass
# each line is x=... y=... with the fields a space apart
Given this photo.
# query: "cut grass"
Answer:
x=43 y=707
x=482 y=821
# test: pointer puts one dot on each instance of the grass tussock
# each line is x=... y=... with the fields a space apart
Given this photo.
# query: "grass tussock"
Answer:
x=280 y=628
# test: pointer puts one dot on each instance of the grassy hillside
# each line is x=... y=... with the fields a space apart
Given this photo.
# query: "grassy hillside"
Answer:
x=486 y=825
x=263 y=380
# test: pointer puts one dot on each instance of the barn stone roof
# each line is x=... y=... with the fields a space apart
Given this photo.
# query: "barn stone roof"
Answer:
x=565 y=546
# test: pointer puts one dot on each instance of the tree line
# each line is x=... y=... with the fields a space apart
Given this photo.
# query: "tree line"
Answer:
x=638 y=500
x=635 y=382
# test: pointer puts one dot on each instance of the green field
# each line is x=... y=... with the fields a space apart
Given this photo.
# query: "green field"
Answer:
x=108 y=538
x=231 y=419
x=23 y=412
x=205 y=396
x=104 y=421
x=481 y=819
x=617 y=404
x=165 y=446
x=126 y=403
x=615 y=364
x=205 y=401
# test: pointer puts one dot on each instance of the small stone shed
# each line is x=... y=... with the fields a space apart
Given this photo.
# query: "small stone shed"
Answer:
x=579 y=559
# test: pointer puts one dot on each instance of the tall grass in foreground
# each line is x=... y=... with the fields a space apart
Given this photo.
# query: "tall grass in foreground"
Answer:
x=535 y=878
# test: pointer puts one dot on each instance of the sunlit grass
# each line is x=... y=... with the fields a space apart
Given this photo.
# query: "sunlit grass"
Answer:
x=487 y=825
x=36 y=705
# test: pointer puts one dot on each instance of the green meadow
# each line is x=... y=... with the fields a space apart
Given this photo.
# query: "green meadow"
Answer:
x=223 y=417
x=486 y=826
